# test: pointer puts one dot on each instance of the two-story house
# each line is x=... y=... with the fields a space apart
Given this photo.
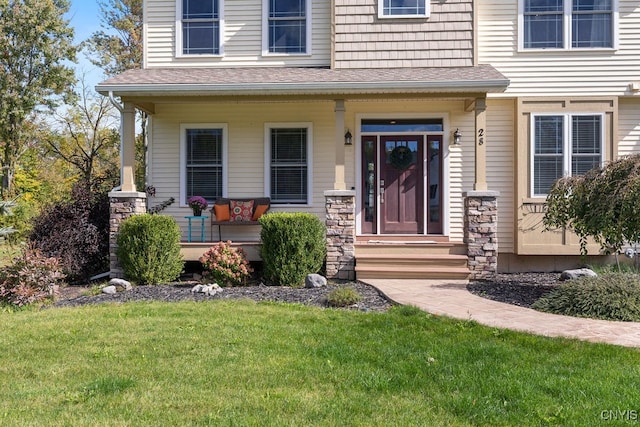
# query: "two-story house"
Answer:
x=404 y=124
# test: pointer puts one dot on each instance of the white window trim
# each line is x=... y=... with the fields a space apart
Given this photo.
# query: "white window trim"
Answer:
x=427 y=12
x=179 y=40
x=183 y=156
x=566 y=147
x=267 y=159
x=566 y=27
x=265 y=31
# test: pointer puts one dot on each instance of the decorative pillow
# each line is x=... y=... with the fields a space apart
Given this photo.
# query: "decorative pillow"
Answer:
x=241 y=211
x=222 y=212
x=260 y=210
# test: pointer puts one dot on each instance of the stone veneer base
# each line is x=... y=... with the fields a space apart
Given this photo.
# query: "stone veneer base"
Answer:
x=481 y=232
x=341 y=234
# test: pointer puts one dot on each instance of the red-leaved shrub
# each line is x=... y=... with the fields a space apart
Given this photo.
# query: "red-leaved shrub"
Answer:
x=31 y=277
x=76 y=232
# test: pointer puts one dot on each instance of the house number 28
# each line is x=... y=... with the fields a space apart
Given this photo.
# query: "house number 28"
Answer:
x=480 y=136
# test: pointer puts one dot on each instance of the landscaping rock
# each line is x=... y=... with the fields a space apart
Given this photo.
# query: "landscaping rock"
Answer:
x=315 y=281
x=121 y=284
x=110 y=290
x=210 y=290
x=574 y=274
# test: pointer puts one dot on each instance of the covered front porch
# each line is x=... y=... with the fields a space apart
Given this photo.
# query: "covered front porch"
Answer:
x=332 y=109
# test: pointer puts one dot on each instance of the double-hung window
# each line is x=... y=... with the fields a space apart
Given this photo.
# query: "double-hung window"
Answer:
x=289 y=157
x=564 y=145
x=287 y=26
x=203 y=158
x=568 y=24
x=200 y=22
x=403 y=8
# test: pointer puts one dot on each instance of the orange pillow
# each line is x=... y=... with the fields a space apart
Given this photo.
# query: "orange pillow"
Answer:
x=222 y=212
x=260 y=210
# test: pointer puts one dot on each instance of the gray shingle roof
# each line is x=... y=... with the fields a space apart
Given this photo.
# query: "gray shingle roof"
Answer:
x=289 y=81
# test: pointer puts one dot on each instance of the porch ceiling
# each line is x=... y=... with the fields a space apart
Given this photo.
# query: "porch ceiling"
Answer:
x=323 y=82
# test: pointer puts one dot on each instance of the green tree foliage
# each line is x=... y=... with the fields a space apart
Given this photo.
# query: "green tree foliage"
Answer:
x=602 y=204
x=36 y=43
x=89 y=140
x=118 y=46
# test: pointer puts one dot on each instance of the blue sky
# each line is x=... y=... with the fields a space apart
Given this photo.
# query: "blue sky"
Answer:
x=85 y=19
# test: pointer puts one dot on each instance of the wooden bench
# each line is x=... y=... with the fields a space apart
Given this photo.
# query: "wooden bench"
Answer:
x=222 y=212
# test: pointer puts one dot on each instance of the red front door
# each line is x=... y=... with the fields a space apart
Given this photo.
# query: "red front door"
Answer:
x=401 y=185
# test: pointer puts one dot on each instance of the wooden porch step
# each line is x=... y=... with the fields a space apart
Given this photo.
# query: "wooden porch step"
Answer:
x=431 y=273
x=411 y=261
x=388 y=248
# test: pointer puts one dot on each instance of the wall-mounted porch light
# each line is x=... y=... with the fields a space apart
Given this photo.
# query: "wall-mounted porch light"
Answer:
x=457 y=137
x=348 y=138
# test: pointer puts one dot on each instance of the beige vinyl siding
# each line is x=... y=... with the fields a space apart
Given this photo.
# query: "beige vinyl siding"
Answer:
x=245 y=168
x=564 y=72
x=629 y=126
x=241 y=35
x=362 y=40
x=500 y=166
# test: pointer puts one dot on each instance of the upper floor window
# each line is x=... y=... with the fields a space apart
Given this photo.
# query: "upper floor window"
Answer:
x=403 y=8
x=200 y=22
x=564 y=145
x=287 y=26
x=568 y=24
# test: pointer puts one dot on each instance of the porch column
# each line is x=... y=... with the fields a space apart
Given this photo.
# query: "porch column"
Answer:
x=341 y=234
x=481 y=232
x=339 y=183
x=122 y=205
x=480 y=143
x=128 y=149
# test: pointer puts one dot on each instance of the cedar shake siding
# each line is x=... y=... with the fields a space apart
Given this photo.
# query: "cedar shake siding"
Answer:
x=363 y=40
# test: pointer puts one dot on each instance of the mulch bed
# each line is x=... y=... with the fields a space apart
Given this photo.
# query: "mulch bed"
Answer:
x=521 y=289
x=372 y=300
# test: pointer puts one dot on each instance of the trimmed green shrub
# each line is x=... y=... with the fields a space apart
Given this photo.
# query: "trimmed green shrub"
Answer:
x=149 y=249
x=614 y=296
x=293 y=245
x=226 y=265
x=343 y=297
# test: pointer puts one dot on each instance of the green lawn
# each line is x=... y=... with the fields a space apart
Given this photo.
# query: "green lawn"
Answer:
x=242 y=363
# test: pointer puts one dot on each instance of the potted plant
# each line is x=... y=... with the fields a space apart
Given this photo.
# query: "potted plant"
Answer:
x=197 y=205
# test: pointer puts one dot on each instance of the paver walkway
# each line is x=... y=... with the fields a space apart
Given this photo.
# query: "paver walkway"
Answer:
x=451 y=298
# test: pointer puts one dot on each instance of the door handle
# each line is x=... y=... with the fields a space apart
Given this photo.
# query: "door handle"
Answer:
x=382 y=191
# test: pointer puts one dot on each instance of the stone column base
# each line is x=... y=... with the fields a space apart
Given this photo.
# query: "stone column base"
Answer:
x=481 y=232
x=122 y=206
x=341 y=234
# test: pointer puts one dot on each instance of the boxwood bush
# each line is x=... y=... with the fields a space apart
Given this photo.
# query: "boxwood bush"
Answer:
x=149 y=249
x=614 y=296
x=293 y=245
